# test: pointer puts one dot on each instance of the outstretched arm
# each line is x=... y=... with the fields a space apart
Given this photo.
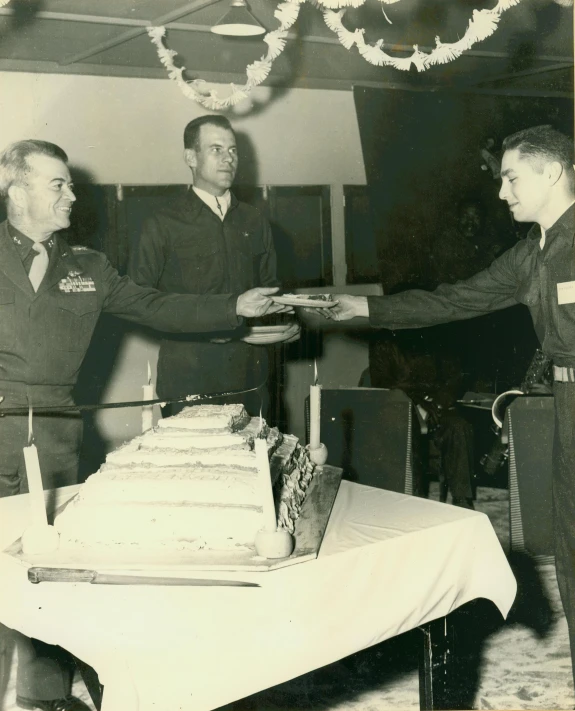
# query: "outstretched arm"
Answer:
x=181 y=313
x=492 y=289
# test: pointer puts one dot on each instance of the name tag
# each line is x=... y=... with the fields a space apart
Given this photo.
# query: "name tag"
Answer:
x=566 y=292
x=76 y=284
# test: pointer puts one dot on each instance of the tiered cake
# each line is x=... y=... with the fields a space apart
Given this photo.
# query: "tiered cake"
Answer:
x=188 y=484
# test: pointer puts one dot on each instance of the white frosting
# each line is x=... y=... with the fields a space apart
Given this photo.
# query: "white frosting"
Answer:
x=208 y=417
x=152 y=526
x=178 y=488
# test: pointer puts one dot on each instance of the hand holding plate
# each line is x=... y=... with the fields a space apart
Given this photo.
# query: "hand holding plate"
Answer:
x=257 y=302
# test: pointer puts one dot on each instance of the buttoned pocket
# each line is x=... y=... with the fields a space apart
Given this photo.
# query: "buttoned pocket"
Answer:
x=76 y=317
x=200 y=268
x=7 y=318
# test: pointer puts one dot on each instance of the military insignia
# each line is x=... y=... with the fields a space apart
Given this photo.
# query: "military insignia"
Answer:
x=74 y=273
x=17 y=240
x=74 y=283
x=79 y=248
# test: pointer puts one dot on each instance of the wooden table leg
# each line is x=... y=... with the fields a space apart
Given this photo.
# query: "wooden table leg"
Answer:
x=436 y=665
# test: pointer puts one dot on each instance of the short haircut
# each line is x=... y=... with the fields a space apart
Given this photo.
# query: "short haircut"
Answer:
x=14 y=166
x=192 y=130
x=544 y=144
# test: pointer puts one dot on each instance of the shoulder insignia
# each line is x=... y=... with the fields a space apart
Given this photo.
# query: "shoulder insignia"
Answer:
x=79 y=248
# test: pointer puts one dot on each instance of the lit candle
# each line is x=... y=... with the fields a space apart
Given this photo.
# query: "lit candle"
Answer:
x=148 y=410
x=265 y=483
x=34 y=475
x=314 y=411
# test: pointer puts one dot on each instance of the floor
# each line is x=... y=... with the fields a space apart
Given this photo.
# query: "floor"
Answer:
x=522 y=663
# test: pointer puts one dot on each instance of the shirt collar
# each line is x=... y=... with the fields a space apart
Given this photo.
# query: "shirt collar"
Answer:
x=212 y=202
x=24 y=244
x=563 y=228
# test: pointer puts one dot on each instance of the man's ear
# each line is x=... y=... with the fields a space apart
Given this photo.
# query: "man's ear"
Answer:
x=190 y=158
x=553 y=171
x=17 y=195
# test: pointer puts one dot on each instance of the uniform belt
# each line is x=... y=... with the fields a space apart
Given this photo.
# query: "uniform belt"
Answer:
x=563 y=374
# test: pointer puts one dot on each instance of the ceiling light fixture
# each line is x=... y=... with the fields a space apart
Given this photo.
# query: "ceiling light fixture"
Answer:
x=238 y=22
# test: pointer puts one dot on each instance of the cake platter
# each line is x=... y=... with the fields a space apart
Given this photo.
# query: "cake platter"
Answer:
x=309 y=531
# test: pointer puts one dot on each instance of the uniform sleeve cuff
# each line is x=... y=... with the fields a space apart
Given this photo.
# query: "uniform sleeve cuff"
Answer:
x=233 y=319
x=380 y=311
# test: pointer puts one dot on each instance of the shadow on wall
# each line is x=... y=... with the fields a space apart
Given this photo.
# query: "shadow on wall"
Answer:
x=24 y=12
x=93 y=380
x=248 y=165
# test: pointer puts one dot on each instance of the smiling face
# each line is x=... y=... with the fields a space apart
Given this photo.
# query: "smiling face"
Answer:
x=524 y=186
x=214 y=160
x=45 y=199
x=470 y=221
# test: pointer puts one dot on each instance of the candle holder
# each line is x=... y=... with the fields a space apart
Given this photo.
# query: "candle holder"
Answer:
x=274 y=544
x=40 y=538
x=318 y=455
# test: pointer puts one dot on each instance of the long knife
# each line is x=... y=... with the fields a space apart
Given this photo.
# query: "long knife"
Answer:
x=56 y=409
x=73 y=575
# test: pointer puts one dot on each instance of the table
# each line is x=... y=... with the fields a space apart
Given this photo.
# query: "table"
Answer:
x=388 y=564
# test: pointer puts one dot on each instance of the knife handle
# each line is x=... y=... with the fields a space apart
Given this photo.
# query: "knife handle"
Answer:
x=60 y=575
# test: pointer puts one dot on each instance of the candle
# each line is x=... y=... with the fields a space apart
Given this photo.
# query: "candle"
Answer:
x=265 y=484
x=34 y=475
x=314 y=412
x=35 y=487
x=148 y=410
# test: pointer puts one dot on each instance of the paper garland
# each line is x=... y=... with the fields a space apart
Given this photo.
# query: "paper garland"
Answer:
x=286 y=12
x=483 y=23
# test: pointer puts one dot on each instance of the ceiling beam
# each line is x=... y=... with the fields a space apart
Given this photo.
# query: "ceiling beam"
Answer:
x=75 y=17
x=105 y=20
x=523 y=73
x=186 y=9
x=169 y=22
x=467 y=90
x=22 y=65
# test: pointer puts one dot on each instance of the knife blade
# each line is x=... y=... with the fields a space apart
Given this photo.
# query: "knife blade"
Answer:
x=73 y=575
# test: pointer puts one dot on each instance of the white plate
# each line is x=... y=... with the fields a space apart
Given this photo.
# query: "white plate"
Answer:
x=263 y=340
x=261 y=330
x=311 y=303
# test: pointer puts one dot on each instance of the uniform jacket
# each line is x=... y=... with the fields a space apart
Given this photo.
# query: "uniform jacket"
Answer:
x=186 y=248
x=525 y=274
x=44 y=335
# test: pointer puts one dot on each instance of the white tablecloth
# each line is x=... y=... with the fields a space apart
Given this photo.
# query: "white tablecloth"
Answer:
x=388 y=563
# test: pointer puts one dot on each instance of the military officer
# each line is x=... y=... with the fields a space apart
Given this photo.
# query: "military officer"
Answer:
x=51 y=296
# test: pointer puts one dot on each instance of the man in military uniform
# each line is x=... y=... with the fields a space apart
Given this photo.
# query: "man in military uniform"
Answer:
x=207 y=242
x=538 y=183
x=51 y=296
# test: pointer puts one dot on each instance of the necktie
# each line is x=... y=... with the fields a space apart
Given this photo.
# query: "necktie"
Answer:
x=39 y=265
x=219 y=207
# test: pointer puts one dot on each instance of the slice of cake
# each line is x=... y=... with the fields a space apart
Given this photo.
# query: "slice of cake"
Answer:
x=190 y=483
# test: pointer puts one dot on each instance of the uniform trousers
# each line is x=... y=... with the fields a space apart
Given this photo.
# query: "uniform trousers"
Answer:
x=44 y=671
x=564 y=501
